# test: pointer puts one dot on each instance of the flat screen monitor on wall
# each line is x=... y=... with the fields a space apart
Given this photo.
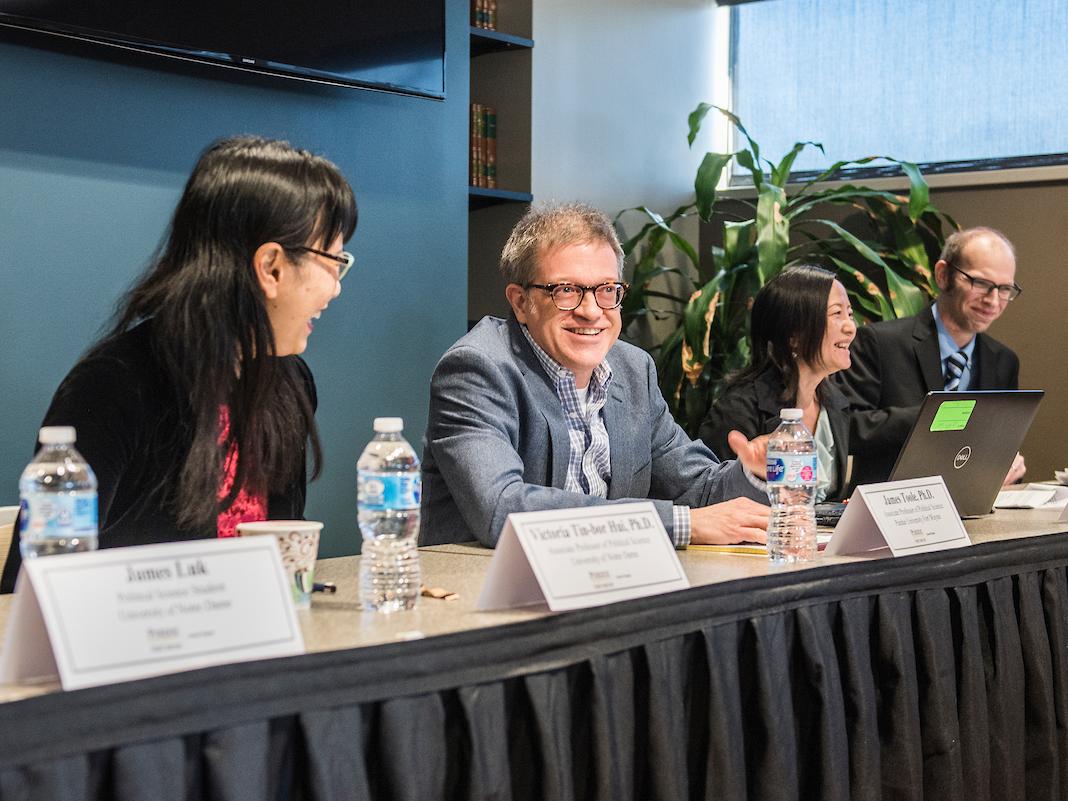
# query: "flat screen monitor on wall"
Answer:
x=374 y=44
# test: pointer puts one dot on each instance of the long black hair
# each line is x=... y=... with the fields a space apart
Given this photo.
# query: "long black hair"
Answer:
x=787 y=324
x=211 y=331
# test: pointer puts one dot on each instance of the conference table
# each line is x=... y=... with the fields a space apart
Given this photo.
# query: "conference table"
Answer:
x=937 y=676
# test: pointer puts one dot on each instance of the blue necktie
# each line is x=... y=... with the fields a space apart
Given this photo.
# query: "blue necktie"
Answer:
x=955 y=365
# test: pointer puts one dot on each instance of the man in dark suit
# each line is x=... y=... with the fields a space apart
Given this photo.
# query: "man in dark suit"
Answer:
x=896 y=362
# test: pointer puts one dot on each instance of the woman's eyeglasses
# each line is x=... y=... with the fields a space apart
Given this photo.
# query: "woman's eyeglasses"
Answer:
x=344 y=259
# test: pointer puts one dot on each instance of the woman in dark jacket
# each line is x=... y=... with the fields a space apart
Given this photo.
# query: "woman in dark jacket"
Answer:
x=801 y=327
x=195 y=410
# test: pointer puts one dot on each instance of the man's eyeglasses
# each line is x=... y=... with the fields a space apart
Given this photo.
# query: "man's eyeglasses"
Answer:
x=569 y=297
x=984 y=287
x=344 y=259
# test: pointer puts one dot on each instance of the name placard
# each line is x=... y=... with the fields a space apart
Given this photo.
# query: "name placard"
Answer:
x=576 y=558
x=129 y=613
x=899 y=518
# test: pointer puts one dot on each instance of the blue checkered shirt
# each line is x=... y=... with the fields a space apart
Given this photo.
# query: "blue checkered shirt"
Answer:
x=589 y=461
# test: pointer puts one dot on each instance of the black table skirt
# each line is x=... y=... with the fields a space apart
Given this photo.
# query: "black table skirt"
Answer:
x=940 y=677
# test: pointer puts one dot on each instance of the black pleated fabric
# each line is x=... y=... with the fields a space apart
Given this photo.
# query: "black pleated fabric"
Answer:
x=939 y=677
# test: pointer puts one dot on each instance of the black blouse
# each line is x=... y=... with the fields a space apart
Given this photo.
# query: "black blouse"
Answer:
x=753 y=407
x=132 y=429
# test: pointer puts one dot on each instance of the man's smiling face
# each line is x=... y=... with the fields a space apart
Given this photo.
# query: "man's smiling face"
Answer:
x=578 y=339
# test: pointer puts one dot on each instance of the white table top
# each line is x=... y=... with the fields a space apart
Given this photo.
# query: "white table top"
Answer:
x=337 y=622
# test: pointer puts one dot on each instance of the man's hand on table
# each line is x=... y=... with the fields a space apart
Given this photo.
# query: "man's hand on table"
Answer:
x=736 y=520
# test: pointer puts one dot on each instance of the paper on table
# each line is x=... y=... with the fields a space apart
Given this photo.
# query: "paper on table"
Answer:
x=1024 y=498
x=1059 y=491
x=756 y=548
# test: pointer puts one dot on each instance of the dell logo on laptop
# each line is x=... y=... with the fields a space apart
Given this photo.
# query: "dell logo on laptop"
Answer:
x=962 y=457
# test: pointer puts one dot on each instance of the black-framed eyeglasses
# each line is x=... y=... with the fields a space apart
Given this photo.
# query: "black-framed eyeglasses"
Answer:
x=984 y=287
x=568 y=297
x=344 y=259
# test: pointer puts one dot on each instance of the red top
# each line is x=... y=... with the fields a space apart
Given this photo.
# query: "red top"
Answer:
x=246 y=507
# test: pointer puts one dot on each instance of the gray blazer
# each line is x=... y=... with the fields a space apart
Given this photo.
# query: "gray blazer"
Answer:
x=497 y=441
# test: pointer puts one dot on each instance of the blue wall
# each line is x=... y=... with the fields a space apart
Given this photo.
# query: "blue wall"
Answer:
x=94 y=150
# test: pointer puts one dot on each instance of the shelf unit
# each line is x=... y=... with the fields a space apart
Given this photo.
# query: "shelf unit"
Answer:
x=501 y=62
x=480 y=197
x=484 y=41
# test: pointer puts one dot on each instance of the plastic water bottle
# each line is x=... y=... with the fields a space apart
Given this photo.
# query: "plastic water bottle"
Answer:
x=57 y=493
x=792 y=490
x=388 y=489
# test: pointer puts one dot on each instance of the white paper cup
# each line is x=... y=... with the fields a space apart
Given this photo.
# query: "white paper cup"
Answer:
x=298 y=542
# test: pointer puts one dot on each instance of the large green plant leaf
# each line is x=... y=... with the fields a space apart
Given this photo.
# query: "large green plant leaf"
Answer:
x=739 y=243
x=863 y=291
x=745 y=158
x=748 y=158
x=653 y=293
x=834 y=169
x=905 y=298
x=695 y=320
x=909 y=245
x=773 y=230
x=754 y=148
x=781 y=173
x=669 y=369
x=664 y=225
x=657 y=221
x=697 y=116
x=635 y=299
x=919 y=194
x=708 y=175
x=847 y=194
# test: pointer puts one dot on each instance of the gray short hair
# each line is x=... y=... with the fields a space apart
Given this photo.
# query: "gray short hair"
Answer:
x=549 y=226
x=953 y=249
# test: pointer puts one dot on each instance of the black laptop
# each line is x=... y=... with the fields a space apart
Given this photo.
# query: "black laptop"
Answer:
x=970 y=439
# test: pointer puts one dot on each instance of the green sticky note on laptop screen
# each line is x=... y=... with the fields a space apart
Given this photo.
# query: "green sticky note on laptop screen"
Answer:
x=952 y=415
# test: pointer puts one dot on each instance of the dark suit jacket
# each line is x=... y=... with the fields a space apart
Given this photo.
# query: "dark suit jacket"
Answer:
x=895 y=364
x=753 y=407
x=130 y=429
x=497 y=441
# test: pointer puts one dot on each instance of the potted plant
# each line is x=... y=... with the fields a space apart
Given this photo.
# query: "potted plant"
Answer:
x=883 y=255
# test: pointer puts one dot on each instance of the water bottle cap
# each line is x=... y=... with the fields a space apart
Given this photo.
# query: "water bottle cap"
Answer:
x=389 y=425
x=56 y=435
x=790 y=414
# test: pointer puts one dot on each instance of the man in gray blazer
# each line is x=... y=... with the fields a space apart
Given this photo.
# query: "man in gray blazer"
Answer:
x=548 y=410
x=897 y=362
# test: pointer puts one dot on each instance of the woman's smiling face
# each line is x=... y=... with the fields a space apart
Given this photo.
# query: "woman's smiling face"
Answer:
x=841 y=329
x=308 y=284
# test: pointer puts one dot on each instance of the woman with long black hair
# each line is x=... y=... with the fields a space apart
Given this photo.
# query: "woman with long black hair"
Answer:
x=195 y=410
x=801 y=327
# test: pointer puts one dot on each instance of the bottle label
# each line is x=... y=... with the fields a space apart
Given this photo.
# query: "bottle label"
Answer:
x=383 y=491
x=791 y=468
x=58 y=515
